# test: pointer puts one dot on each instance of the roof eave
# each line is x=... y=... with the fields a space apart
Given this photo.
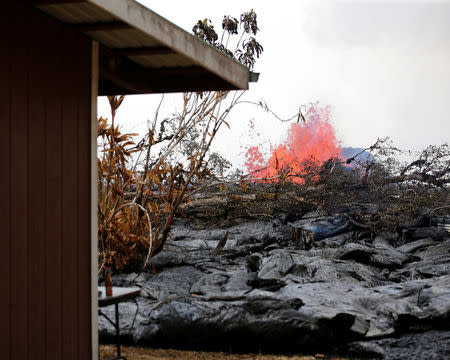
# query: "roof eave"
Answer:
x=177 y=39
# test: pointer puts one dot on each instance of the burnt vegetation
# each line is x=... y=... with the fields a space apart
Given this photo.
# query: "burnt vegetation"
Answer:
x=376 y=194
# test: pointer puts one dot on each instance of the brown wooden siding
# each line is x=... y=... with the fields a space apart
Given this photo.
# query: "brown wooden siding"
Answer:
x=5 y=199
x=45 y=116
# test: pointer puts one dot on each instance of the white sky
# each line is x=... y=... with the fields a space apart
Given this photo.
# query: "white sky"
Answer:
x=384 y=66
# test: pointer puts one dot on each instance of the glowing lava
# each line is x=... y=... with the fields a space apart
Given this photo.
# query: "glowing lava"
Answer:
x=315 y=139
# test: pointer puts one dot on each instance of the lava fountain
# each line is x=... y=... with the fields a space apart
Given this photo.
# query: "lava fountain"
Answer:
x=315 y=139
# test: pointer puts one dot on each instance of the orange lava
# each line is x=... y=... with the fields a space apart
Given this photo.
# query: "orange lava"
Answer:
x=315 y=139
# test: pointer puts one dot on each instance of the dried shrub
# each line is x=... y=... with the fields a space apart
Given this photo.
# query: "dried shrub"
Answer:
x=141 y=184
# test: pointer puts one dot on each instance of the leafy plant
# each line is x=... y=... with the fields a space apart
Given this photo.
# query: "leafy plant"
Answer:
x=247 y=48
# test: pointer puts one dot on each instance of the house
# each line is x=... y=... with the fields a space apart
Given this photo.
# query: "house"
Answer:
x=57 y=56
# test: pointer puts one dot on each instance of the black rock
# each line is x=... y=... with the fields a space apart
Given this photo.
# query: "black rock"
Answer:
x=436 y=233
x=364 y=349
x=261 y=292
x=381 y=257
x=322 y=228
x=433 y=345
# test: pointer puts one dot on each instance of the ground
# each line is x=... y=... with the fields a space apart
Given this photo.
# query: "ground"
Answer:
x=138 y=353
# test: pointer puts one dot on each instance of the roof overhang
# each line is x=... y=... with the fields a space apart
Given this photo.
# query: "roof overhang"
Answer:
x=142 y=52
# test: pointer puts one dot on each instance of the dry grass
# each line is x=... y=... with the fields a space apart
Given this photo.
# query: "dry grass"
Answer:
x=138 y=353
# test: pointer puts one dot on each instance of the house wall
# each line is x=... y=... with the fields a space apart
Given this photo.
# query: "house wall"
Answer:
x=45 y=188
